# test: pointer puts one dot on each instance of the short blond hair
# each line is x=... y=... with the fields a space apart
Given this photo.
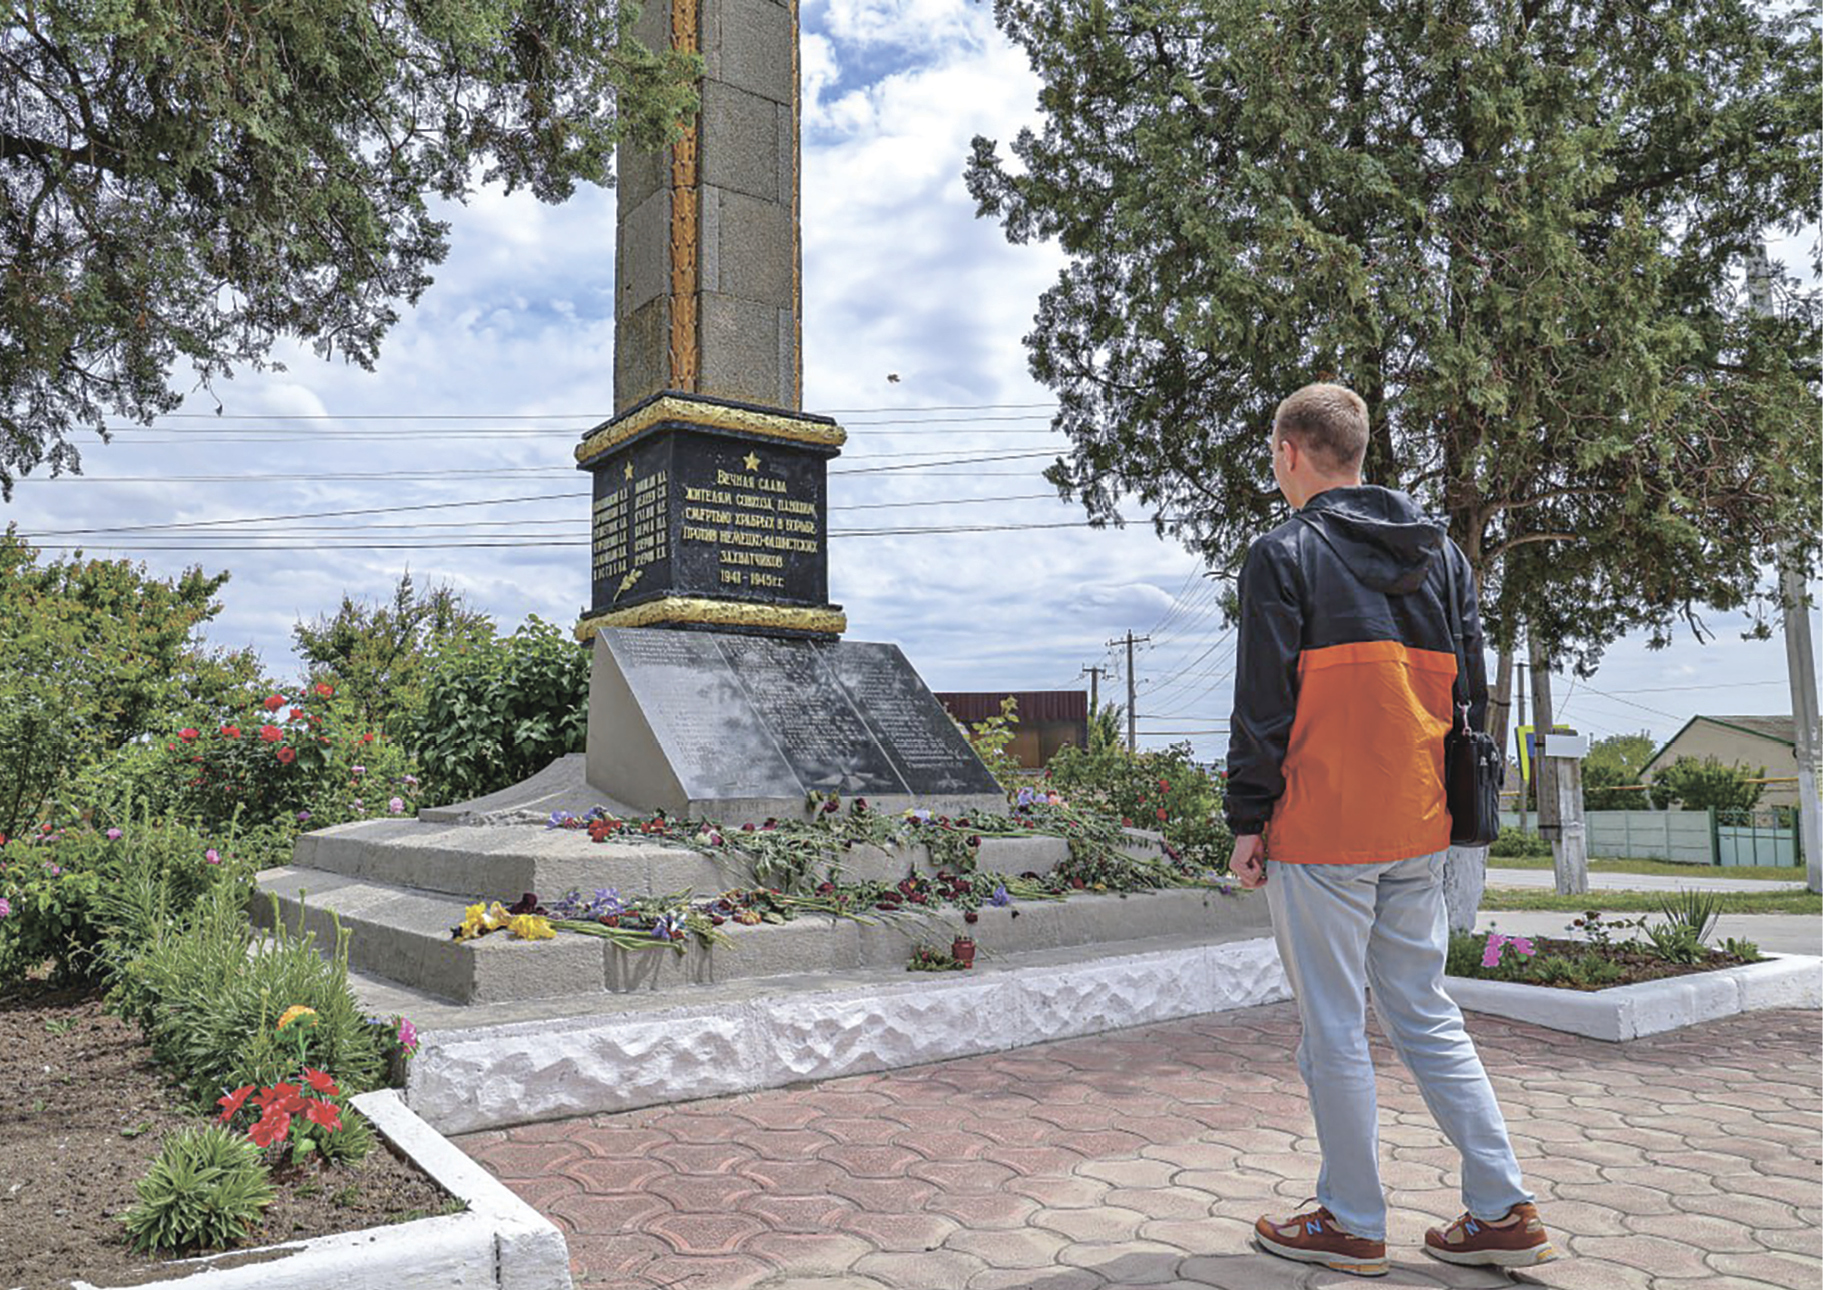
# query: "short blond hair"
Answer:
x=1327 y=421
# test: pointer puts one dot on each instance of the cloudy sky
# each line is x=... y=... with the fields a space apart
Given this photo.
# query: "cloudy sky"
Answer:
x=482 y=390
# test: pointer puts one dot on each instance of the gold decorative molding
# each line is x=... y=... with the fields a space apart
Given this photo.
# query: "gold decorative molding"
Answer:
x=717 y=613
x=683 y=349
x=712 y=416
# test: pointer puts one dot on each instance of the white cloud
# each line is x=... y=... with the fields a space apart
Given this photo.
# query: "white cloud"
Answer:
x=899 y=277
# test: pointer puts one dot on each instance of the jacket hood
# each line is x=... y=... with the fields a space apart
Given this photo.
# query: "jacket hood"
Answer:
x=1381 y=535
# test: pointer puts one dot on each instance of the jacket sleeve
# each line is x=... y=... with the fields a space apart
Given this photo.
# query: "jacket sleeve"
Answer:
x=1265 y=689
x=1474 y=646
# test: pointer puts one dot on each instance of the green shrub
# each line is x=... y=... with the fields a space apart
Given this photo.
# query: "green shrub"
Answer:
x=1513 y=844
x=289 y=760
x=1696 y=910
x=497 y=711
x=94 y=654
x=1162 y=790
x=990 y=739
x=206 y=1191
x=1696 y=784
x=208 y=993
x=55 y=883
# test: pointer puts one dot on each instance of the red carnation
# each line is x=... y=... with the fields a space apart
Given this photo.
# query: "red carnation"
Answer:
x=325 y=690
x=231 y=732
x=320 y=1081
x=272 y=1126
x=1161 y=812
x=233 y=1102
x=188 y=733
x=289 y=755
x=271 y=734
x=322 y=1113
x=275 y=702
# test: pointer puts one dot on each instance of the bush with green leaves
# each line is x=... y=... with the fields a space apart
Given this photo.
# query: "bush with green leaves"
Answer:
x=294 y=757
x=1161 y=790
x=499 y=710
x=206 y=1191
x=1512 y=844
x=1696 y=784
x=55 y=883
x=208 y=993
x=95 y=654
x=375 y=652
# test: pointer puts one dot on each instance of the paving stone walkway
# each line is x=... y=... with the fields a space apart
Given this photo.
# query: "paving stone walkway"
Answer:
x=1140 y=1158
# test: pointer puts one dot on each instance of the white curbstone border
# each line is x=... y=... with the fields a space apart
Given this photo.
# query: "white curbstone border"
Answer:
x=467 y=1080
x=499 y=1241
x=1628 y=1012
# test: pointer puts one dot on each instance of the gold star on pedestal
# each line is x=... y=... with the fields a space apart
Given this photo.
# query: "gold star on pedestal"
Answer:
x=751 y=461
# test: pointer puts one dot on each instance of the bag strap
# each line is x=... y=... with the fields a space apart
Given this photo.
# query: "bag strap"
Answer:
x=1458 y=691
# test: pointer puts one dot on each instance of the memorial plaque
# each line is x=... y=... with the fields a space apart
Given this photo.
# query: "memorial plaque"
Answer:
x=742 y=719
x=707 y=525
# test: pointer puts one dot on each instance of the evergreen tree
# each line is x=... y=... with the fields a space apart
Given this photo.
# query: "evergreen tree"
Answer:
x=1515 y=228
x=187 y=184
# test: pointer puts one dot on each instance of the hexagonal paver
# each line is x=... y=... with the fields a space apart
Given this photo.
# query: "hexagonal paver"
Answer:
x=1141 y=1159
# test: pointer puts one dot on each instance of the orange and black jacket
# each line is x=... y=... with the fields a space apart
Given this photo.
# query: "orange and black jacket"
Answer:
x=1343 y=679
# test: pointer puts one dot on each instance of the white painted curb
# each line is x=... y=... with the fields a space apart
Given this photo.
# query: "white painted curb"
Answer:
x=499 y=1242
x=465 y=1080
x=1631 y=1011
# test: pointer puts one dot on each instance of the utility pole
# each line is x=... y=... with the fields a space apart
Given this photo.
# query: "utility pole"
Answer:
x=1531 y=765
x=1132 y=689
x=1094 y=675
x=1800 y=661
x=1544 y=774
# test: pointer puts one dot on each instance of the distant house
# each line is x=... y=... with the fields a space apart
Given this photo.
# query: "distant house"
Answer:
x=1047 y=719
x=1750 y=741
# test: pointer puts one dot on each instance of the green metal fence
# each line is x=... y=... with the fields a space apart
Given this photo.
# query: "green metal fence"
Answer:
x=1768 y=836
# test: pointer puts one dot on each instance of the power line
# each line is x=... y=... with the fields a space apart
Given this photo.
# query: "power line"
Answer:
x=281 y=542
x=387 y=510
x=594 y=415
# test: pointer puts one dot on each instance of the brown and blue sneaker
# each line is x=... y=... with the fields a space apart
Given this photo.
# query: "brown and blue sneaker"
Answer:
x=1313 y=1237
x=1516 y=1239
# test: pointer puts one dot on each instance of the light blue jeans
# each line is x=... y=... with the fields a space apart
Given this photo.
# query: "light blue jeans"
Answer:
x=1346 y=929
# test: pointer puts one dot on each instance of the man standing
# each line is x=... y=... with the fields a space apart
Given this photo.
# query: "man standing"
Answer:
x=1342 y=689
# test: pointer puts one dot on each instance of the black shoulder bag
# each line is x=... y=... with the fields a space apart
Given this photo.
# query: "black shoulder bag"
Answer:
x=1473 y=768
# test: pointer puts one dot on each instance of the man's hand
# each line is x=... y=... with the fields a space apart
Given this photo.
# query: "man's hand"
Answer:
x=1248 y=863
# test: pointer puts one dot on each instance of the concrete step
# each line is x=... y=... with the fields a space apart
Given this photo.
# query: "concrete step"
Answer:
x=403 y=934
x=500 y=862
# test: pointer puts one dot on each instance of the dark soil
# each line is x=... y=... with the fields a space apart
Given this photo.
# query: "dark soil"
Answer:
x=1636 y=965
x=82 y=1112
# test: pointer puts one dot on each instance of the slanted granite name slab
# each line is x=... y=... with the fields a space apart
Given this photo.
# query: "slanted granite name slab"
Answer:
x=721 y=720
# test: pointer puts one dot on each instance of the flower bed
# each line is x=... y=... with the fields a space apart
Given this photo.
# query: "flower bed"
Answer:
x=1612 y=952
x=85 y=1113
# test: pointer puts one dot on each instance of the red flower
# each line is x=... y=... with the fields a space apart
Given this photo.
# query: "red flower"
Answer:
x=319 y=1081
x=367 y=738
x=275 y=702
x=281 y=1097
x=188 y=733
x=232 y=1102
x=1163 y=787
x=322 y=1113
x=1161 y=812
x=289 y=755
x=272 y=1127
x=271 y=734
x=325 y=690
x=231 y=732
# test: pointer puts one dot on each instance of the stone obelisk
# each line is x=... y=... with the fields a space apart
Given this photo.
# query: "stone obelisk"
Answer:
x=709 y=507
